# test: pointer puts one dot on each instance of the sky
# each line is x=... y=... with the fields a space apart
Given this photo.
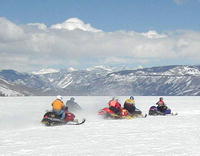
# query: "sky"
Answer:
x=82 y=33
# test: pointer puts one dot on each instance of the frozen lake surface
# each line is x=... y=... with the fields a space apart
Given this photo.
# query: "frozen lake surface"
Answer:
x=22 y=134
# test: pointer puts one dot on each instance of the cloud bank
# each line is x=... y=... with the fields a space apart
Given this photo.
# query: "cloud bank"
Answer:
x=34 y=46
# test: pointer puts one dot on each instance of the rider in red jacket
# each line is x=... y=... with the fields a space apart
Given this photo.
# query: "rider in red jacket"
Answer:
x=161 y=105
x=115 y=106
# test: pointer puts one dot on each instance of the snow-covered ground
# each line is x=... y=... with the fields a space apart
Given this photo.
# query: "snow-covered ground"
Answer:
x=22 y=134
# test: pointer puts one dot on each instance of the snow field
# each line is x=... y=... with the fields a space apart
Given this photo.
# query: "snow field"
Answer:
x=22 y=134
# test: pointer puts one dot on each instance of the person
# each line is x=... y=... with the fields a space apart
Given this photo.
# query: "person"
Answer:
x=72 y=105
x=161 y=106
x=115 y=106
x=129 y=105
x=58 y=107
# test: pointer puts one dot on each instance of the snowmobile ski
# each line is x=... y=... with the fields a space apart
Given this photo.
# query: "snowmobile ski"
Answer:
x=172 y=114
x=58 y=122
x=76 y=122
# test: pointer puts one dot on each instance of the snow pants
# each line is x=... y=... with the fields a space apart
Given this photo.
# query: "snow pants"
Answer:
x=115 y=110
x=130 y=108
x=60 y=113
x=162 y=108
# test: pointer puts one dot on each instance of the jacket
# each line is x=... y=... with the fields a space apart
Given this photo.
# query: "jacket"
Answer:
x=160 y=103
x=58 y=105
x=130 y=102
x=115 y=104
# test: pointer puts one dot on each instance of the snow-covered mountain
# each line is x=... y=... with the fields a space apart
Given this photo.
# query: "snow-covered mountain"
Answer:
x=7 y=89
x=167 y=80
x=100 y=80
x=74 y=82
x=45 y=71
x=13 y=83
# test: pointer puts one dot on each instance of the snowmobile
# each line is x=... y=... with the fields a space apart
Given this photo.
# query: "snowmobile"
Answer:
x=124 y=114
x=50 y=118
x=153 y=110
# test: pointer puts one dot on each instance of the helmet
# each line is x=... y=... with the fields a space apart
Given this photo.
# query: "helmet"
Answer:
x=161 y=98
x=59 y=97
x=113 y=98
x=72 y=98
x=131 y=97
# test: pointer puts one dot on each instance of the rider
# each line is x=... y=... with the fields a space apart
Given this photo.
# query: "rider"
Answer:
x=129 y=105
x=72 y=105
x=58 y=107
x=115 y=106
x=161 y=105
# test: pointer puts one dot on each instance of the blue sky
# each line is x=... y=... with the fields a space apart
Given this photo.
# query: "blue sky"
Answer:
x=83 y=33
x=108 y=15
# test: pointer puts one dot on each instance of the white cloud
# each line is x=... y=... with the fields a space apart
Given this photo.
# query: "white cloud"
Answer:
x=116 y=60
x=9 y=31
x=153 y=34
x=75 y=23
x=41 y=26
x=25 y=48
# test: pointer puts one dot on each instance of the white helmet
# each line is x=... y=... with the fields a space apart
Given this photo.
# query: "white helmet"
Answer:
x=59 y=97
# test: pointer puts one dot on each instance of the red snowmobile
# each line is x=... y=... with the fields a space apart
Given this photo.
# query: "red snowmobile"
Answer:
x=124 y=114
x=50 y=118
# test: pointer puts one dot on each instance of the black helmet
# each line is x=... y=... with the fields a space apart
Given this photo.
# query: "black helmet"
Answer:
x=113 y=98
x=131 y=97
x=161 y=98
x=72 y=98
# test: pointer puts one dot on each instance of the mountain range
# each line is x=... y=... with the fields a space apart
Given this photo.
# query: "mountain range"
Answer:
x=175 y=80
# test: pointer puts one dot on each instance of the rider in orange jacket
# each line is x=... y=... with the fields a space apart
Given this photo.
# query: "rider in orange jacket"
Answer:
x=58 y=107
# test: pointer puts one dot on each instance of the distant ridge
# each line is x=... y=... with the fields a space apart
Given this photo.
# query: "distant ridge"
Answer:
x=174 y=80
